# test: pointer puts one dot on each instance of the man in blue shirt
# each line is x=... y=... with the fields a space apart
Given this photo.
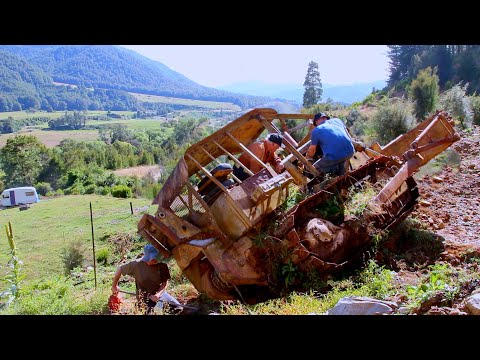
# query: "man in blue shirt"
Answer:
x=332 y=138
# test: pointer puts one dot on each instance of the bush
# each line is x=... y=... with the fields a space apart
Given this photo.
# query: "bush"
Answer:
x=75 y=189
x=103 y=255
x=72 y=256
x=392 y=119
x=423 y=91
x=356 y=121
x=458 y=104
x=121 y=191
x=475 y=101
x=90 y=189
x=43 y=188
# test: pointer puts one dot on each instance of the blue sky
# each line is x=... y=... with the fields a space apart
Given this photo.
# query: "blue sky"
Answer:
x=219 y=65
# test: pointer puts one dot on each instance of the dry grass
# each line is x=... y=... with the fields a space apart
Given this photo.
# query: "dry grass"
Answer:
x=52 y=138
x=138 y=171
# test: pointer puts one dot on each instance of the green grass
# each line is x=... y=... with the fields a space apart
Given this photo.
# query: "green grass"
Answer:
x=133 y=124
x=188 y=102
x=449 y=157
x=42 y=231
x=374 y=281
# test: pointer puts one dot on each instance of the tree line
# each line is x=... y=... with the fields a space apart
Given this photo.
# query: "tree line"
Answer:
x=75 y=167
x=453 y=64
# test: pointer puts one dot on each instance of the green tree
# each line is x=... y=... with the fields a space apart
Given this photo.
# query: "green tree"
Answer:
x=424 y=92
x=22 y=158
x=313 y=86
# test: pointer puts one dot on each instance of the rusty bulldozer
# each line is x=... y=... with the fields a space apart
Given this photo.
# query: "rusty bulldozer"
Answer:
x=231 y=239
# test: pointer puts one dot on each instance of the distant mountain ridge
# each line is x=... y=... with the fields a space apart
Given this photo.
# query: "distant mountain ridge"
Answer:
x=338 y=93
x=118 y=68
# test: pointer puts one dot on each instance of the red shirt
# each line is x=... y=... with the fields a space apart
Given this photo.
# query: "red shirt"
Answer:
x=268 y=157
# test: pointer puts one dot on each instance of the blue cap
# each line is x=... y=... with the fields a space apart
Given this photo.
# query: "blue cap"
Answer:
x=320 y=115
x=149 y=253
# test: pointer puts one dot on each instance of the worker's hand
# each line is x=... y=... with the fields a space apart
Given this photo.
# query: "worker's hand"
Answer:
x=154 y=297
x=359 y=146
x=115 y=289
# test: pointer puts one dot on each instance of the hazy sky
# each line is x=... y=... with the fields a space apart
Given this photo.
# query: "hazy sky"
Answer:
x=217 y=65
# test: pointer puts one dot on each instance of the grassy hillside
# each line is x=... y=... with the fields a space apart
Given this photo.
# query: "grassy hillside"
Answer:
x=42 y=231
x=187 y=102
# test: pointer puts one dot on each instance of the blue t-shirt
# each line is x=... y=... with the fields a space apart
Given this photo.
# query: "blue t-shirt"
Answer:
x=333 y=139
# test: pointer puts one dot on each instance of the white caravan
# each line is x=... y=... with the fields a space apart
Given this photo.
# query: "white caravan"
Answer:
x=19 y=196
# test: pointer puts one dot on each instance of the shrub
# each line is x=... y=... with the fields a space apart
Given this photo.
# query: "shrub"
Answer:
x=356 y=121
x=72 y=256
x=392 y=119
x=103 y=255
x=475 y=101
x=43 y=188
x=458 y=104
x=75 y=189
x=121 y=191
x=90 y=189
x=423 y=91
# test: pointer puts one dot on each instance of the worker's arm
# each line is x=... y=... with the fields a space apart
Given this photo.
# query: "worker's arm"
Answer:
x=155 y=297
x=311 y=151
x=277 y=164
x=116 y=278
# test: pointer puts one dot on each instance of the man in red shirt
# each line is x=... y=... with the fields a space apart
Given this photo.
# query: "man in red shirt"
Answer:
x=265 y=151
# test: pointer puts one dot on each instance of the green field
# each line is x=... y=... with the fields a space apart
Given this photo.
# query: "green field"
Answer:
x=42 y=231
x=189 y=102
x=52 y=138
x=133 y=124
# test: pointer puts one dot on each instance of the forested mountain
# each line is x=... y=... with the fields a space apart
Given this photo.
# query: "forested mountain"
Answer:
x=24 y=86
x=455 y=63
x=113 y=67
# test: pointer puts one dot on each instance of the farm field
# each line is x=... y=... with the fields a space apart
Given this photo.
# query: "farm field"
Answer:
x=188 y=102
x=16 y=115
x=41 y=232
x=52 y=138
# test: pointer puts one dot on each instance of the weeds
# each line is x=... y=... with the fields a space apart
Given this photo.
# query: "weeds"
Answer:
x=103 y=255
x=437 y=281
x=360 y=199
x=13 y=277
x=72 y=256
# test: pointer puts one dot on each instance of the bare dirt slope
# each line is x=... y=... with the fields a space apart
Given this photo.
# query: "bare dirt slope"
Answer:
x=449 y=207
x=450 y=203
